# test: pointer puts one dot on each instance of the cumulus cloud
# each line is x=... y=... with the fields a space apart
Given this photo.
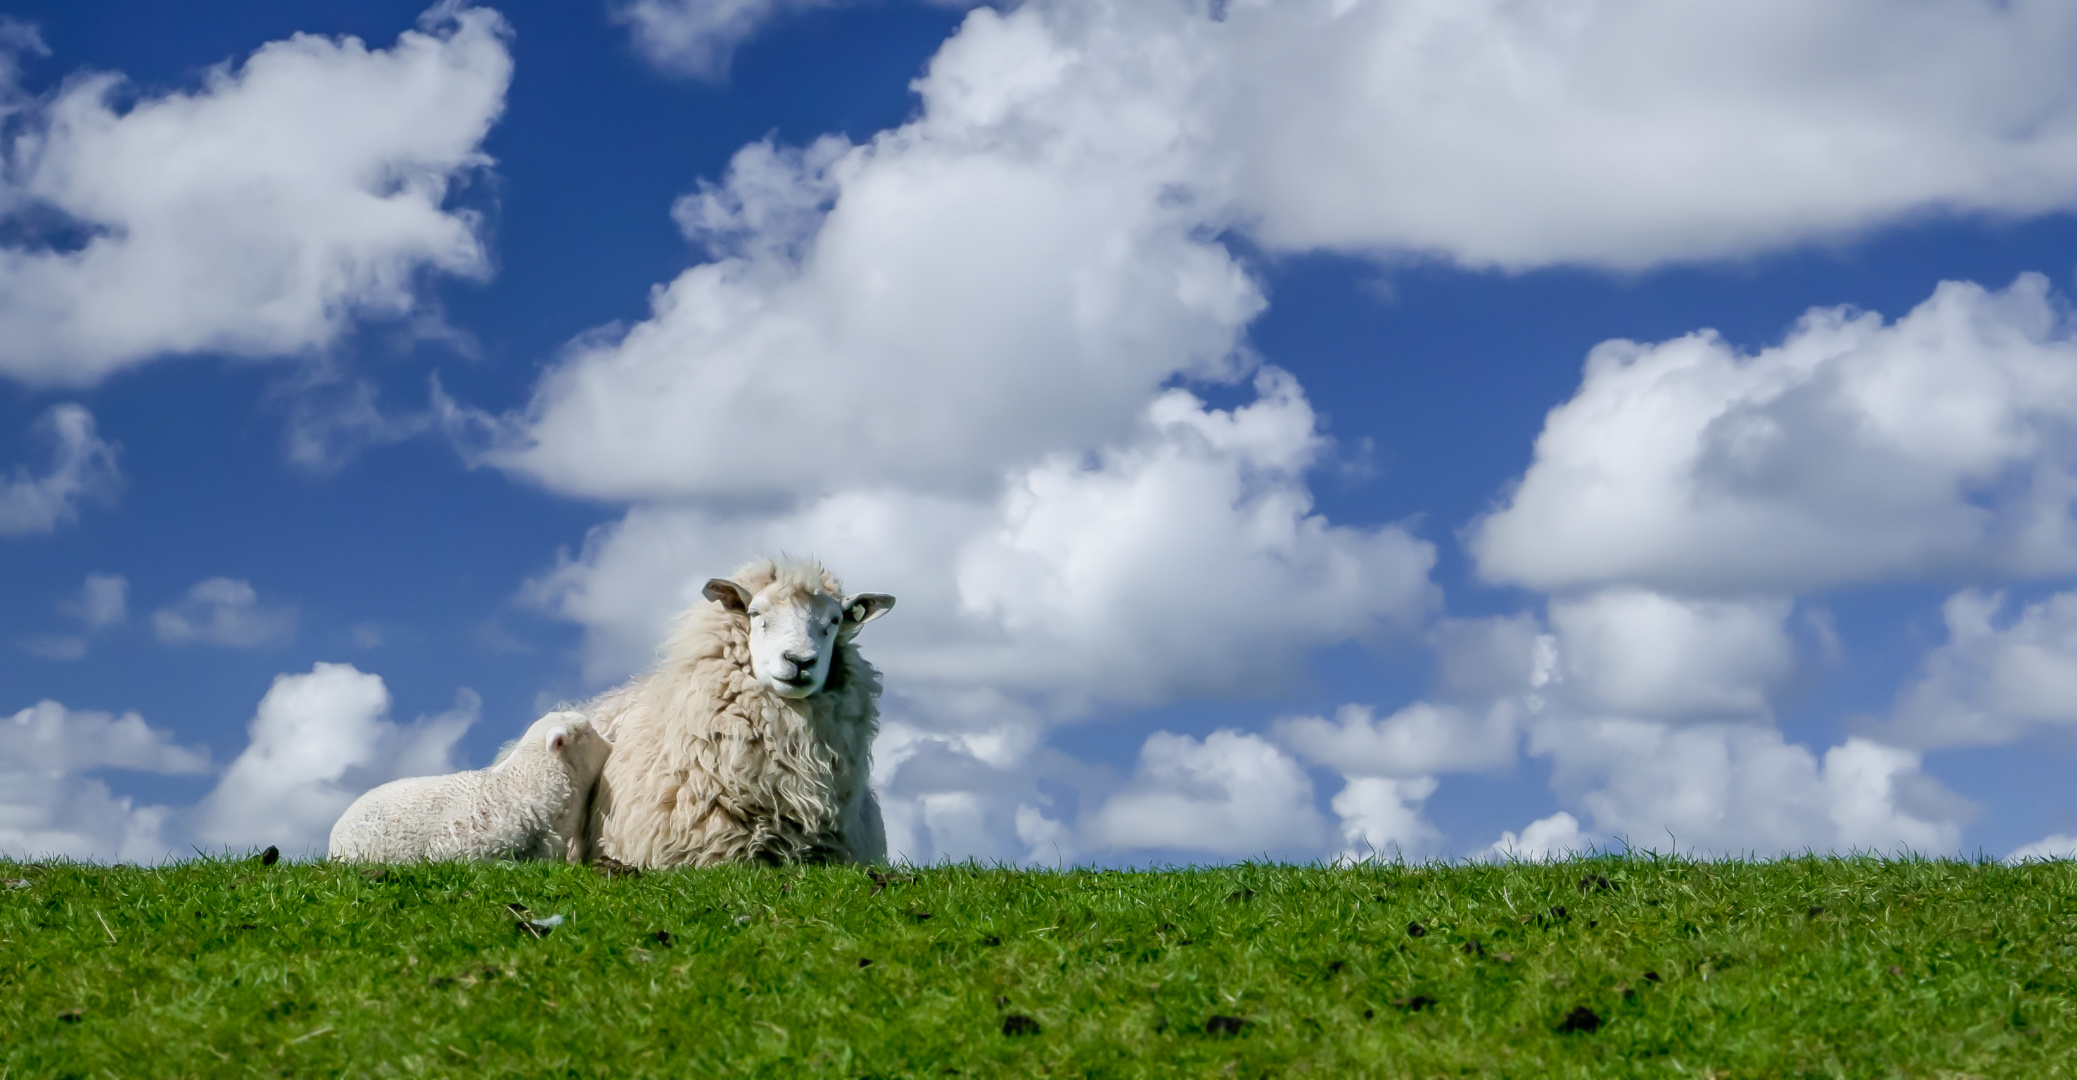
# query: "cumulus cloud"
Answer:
x=1989 y=683
x=1642 y=653
x=1233 y=794
x=1730 y=789
x=317 y=741
x=82 y=469
x=224 y=611
x=2058 y=846
x=50 y=805
x=1381 y=819
x=255 y=216
x=1543 y=840
x=1619 y=133
x=1625 y=133
x=1854 y=451
x=1026 y=301
x=698 y=37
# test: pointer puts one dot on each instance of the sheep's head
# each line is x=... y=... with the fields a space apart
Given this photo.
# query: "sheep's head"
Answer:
x=795 y=627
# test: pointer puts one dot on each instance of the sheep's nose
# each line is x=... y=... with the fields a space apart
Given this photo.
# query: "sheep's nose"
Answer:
x=802 y=660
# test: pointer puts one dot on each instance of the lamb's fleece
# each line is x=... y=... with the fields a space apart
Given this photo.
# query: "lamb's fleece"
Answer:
x=710 y=766
x=531 y=804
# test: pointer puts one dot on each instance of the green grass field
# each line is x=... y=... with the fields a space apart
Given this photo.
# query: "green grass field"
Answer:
x=1602 y=967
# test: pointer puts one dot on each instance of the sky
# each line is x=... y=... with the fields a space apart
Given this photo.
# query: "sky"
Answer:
x=1303 y=430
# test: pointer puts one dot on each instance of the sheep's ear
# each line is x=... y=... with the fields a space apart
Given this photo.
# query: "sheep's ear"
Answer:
x=728 y=594
x=558 y=737
x=862 y=608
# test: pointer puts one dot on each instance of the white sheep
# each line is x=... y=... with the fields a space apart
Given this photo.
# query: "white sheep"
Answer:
x=530 y=804
x=752 y=737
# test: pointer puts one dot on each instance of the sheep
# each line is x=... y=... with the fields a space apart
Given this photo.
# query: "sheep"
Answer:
x=530 y=804
x=751 y=739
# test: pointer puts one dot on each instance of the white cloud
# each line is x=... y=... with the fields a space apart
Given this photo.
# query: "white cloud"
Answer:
x=49 y=806
x=1628 y=132
x=1545 y=839
x=1619 y=133
x=224 y=611
x=316 y=742
x=1854 y=451
x=1420 y=739
x=1233 y=794
x=1381 y=819
x=255 y=216
x=697 y=37
x=1735 y=789
x=82 y=469
x=1643 y=653
x=2052 y=847
x=1991 y=684
x=104 y=600
x=956 y=313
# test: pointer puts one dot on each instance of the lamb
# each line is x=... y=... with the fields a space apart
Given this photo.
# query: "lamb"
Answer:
x=751 y=740
x=530 y=804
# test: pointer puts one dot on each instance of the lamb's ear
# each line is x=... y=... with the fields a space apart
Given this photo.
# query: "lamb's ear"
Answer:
x=558 y=737
x=728 y=594
x=862 y=608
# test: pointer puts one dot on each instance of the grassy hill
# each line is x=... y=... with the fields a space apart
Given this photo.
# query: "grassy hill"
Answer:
x=1604 y=967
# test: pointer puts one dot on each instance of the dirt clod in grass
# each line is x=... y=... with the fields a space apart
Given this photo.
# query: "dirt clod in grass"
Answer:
x=1473 y=948
x=865 y=961
x=879 y=882
x=1815 y=911
x=1019 y=1024
x=1335 y=967
x=661 y=937
x=1415 y=1003
x=609 y=868
x=1651 y=976
x=1238 y=895
x=1580 y=1018
x=270 y=856
x=71 y=1016
x=991 y=941
x=1414 y=929
x=1224 y=1025
x=1369 y=1013
x=375 y=875
x=1594 y=883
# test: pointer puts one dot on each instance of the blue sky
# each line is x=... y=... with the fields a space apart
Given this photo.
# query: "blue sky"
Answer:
x=1212 y=385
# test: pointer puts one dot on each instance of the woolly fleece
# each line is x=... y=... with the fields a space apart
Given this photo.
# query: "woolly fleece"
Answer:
x=531 y=804
x=710 y=766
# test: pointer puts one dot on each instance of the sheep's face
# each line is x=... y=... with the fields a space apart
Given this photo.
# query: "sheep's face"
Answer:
x=794 y=631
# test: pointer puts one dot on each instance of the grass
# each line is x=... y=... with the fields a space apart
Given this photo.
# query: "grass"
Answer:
x=1806 y=967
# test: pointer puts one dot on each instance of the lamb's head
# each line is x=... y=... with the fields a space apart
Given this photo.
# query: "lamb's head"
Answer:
x=798 y=614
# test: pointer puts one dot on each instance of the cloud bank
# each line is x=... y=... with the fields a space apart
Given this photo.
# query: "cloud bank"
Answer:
x=256 y=216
